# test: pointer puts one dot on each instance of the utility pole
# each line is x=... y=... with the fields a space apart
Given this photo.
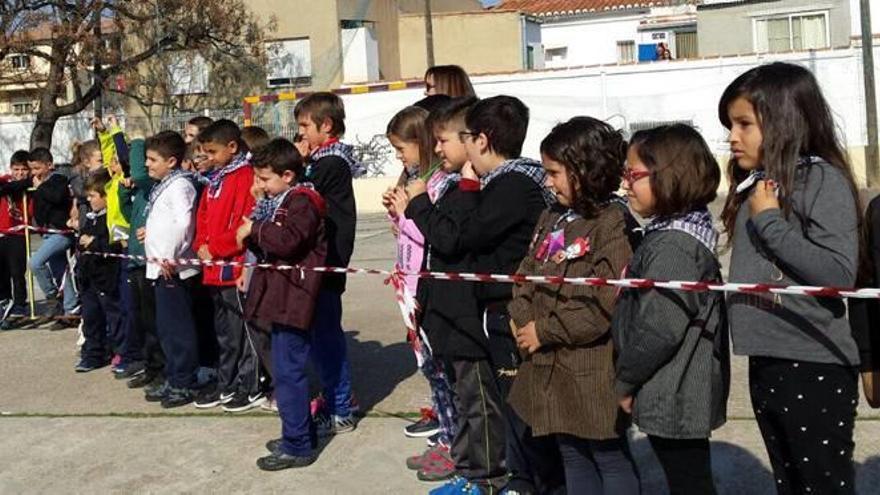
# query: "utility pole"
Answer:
x=99 y=49
x=429 y=33
x=872 y=153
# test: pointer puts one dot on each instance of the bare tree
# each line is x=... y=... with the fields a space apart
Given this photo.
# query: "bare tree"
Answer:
x=137 y=38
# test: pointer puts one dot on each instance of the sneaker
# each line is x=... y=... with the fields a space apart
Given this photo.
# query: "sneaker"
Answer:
x=63 y=323
x=243 y=401
x=177 y=397
x=438 y=468
x=141 y=380
x=277 y=461
x=416 y=462
x=427 y=426
x=85 y=366
x=116 y=361
x=128 y=370
x=270 y=405
x=316 y=406
x=274 y=446
x=328 y=425
x=433 y=440
x=455 y=486
x=207 y=397
x=156 y=391
x=17 y=310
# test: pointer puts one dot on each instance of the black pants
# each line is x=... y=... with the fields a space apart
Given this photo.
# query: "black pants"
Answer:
x=806 y=413
x=598 y=466
x=533 y=463
x=203 y=312
x=687 y=464
x=143 y=304
x=177 y=332
x=237 y=368
x=13 y=266
x=260 y=333
x=100 y=312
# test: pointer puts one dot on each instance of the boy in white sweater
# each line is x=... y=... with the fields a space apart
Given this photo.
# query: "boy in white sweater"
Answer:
x=168 y=236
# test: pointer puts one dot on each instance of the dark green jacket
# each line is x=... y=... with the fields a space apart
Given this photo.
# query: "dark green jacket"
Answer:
x=133 y=202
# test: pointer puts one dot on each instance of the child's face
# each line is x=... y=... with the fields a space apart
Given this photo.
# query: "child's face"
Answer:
x=19 y=171
x=95 y=161
x=218 y=154
x=558 y=181
x=745 y=134
x=190 y=133
x=450 y=148
x=97 y=201
x=312 y=133
x=271 y=183
x=477 y=147
x=637 y=183
x=406 y=152
x=39 y=169
x=157 y=166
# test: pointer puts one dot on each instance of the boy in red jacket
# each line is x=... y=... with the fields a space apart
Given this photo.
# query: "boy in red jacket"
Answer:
x=225 y=200
x=287 y=227
x=13 y=261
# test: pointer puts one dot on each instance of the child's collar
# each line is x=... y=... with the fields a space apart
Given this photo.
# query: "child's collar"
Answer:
x=328 y=142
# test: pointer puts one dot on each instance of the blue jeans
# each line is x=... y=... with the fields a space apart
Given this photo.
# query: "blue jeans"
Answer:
x=598 y=466
x=290 y=352
x=177 y=331
x=50 y=261
x=329 y=354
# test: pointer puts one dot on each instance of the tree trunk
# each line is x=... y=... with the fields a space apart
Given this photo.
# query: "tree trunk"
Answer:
x=41 y=135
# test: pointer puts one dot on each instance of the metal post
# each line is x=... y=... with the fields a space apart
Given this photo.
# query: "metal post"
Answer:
x=872 y=153
x=27 y=251
x=429 y=33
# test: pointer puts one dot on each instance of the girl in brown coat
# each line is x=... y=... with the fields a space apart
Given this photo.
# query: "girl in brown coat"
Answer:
x=565 y=386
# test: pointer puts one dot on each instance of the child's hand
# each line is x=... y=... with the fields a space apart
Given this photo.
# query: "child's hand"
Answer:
x=167 y=268
x=303 y=147
x=626 y=404
x=241 y=281
x=399 y=201
x=97 y=124
x=386 y=198
x=141 y=234
x=468 y=172
x=86 y=240
x=126 y=182
x=243 y=231
x=204 y=254
x=112 y=121
x=763 y=197
x=415 y=188
x=527 y=338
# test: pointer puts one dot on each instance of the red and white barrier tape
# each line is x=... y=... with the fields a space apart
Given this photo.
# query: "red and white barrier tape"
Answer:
x=19 y=230
x=629 y=283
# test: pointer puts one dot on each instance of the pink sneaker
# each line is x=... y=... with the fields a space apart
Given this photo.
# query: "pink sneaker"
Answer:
x=117 y=359
x=317 y=405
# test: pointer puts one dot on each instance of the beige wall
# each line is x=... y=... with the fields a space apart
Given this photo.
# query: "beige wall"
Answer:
x=438 y=6
x=319 y=21
x=383 y=13
x=488 y=41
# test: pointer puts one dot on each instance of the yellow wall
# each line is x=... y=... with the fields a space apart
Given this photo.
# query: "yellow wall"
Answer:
x=488 y=41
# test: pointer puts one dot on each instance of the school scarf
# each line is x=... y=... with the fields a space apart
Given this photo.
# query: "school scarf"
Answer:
x=526 y=166
x=696 y=223
x=344 y=151
x=215 y=182
x=163 y=185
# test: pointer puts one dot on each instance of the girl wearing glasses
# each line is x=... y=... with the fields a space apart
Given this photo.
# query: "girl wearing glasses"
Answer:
x=673 y=366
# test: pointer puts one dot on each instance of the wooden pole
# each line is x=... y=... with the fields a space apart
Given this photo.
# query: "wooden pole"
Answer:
x=872 y=152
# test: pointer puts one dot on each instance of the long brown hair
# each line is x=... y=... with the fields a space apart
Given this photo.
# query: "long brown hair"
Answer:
x=450 y=80
x=411 y=125
x=82 y=151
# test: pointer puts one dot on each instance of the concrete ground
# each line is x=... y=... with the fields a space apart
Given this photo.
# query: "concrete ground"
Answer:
x=63 y=432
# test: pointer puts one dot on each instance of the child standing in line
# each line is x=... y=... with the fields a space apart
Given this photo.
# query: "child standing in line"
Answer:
x=169 y=233
x=673 y=363
x=98 y=280
x=331 y=166
x=793 y=219
x=287 y=228
x=565 y=385
x=224 y=202
x=13 y=256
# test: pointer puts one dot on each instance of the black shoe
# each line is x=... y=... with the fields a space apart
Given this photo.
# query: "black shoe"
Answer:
x=128 y=370
x=64 y=322
x=274 y=446
x=243 y=401
x=141 y=380
x=279 y=461
x=156 y=391
x=425 y=427
x=85 y=366
x=177 y=397
x=208 y=397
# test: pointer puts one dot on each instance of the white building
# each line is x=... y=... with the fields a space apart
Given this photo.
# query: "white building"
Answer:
x=592 y=32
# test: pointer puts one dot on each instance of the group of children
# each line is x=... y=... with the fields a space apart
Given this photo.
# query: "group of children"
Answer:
x=534 y=385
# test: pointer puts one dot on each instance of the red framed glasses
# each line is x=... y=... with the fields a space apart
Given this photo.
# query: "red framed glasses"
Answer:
x=631 y=176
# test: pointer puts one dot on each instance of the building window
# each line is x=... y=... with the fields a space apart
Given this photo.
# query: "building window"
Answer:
x=626 y=52
x=188 y=73
x=290 y=63
x=686 y=44
x=22 y=107
x=556 y=54
x=20 y=62
x=807 y=31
